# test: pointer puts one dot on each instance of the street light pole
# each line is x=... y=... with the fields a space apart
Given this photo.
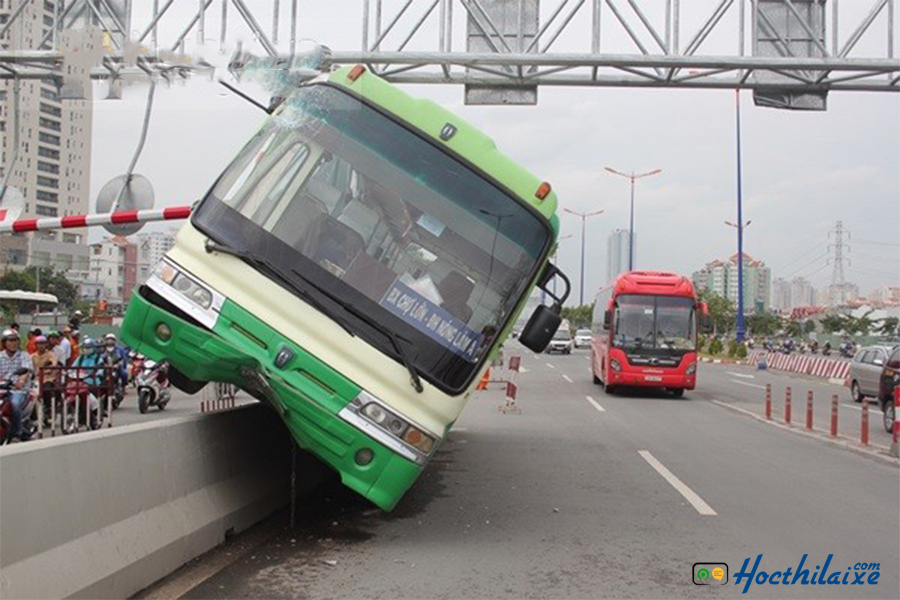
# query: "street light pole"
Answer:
x=584 y=216
x=740 y=226
x=632 y=177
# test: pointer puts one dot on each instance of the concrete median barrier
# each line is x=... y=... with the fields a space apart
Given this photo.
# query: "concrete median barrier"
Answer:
x=106 y=513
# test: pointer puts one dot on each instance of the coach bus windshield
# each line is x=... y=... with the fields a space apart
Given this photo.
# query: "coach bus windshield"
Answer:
x=361 y=208
x=654 y=323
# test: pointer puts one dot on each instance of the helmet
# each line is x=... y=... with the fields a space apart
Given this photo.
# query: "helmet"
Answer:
x=53 y=333
x=77 y=313
x=9 y=334
x=89 y=342
x=40 y=340
x=109 y=336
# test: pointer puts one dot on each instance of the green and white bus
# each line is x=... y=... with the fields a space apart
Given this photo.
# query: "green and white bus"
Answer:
x=356 y=266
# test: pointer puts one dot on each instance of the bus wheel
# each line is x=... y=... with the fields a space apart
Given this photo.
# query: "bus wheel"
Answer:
x=610 y=390
x=677 y=392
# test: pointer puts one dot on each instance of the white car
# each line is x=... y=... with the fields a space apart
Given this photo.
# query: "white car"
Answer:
x=583 y=338
x=561 y=342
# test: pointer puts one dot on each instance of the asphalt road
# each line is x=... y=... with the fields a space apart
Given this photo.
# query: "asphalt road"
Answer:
x=585 y=495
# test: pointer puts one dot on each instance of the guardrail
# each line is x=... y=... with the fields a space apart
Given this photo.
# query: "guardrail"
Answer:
x=108 y=512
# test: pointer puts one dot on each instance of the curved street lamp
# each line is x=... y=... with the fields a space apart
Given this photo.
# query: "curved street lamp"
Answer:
x=632 y=177
x=584 y=216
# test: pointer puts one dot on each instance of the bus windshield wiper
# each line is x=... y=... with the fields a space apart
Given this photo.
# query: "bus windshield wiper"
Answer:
x=414 y=378
x=264 y=264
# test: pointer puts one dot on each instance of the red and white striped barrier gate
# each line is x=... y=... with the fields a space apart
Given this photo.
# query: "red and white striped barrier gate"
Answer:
x=114 y=218
x=895 y=440
x=808 y=365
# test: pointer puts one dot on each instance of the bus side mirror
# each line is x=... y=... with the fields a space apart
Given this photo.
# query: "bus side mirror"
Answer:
x=539 y=330
x=607 y=319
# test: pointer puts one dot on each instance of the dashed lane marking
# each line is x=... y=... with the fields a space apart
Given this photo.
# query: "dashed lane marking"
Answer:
x=753 y=385
x=551 y=366
x=567 y=378
x=690 y=495
x=595 y=404
x=742 y=375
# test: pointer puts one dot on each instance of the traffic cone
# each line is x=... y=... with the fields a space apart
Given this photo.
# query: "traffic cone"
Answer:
x=482 y=385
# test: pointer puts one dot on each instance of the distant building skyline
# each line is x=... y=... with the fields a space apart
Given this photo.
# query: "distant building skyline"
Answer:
x=617 y=253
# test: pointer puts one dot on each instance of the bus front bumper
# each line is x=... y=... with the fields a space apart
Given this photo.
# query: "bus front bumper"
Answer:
x=660 y=380
x=310 y=413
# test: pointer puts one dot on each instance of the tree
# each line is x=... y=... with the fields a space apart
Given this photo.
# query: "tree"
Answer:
x=721 y=311
x=766 y=323
x=793 y=328
x=861 y=325
x=834 y=323
x=809 y=326
x=890 y=326
x=579 y=317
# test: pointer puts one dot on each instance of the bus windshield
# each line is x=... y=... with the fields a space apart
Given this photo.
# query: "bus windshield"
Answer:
x=654 y=323
x=369 y=211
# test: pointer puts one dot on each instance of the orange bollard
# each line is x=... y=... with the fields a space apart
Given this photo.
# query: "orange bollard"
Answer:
x=769 y=401
x=482 y=385
x=809 y=410
x=864 y=423
x=787 y=405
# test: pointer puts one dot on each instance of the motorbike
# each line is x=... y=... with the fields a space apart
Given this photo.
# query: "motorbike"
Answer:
x=80 y=405
x=135 y=365
x=826 y=350
x=153 y=385
x=29 y=409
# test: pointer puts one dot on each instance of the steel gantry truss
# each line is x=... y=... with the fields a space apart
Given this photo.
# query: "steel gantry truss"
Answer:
x=795 y=46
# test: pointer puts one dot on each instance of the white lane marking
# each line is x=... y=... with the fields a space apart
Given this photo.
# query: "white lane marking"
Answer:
x=551 y=366
x=742 y=375
x=696 y=501
x=567 y=378
x=523 y=370
x=854 y=406
x=595 y=404
x=753 y=385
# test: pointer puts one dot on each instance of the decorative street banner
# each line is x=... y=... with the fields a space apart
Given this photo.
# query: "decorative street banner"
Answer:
x=432 y=320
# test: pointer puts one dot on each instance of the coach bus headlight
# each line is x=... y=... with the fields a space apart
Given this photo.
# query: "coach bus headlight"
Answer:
x=691 y=369
x=615 y=366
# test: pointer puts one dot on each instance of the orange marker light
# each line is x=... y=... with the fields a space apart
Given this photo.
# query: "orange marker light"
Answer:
x=543 y=191
x=356 y=72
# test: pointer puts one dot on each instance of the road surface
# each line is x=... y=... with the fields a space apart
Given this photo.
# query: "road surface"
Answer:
x=585 y=495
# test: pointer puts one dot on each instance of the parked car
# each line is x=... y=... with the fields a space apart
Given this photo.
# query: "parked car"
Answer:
x=583 y=338
x=865 y=371
x=890 y=378
x=561 y=342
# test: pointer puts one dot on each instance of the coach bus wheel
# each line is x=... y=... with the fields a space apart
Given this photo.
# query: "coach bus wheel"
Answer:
x=677 y=392
x=610 y=390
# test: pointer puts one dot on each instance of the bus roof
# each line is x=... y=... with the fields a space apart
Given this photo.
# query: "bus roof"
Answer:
x=467 y=141
x=654 y=282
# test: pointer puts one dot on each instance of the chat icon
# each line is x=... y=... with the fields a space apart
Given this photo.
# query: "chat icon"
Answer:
x=718 y=573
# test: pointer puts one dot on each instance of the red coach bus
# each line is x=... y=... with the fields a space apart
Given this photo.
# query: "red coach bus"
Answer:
x=645 y=333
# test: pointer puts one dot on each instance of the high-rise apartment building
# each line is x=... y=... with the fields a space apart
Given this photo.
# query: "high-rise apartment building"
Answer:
x=45 y=142
x=721 y=277
x=154 y=244
x=617 y=253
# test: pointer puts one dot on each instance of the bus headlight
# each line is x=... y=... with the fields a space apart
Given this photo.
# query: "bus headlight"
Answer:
x=186 y=292
x=615 y=366
x=372 y=416
x=691 y=369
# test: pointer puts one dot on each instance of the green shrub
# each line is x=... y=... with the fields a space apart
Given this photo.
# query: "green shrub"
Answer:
x=715 y=347
x=741 y=351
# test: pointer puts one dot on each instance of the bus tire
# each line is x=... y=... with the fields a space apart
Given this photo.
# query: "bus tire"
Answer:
x=676 y=392
x=610 y=390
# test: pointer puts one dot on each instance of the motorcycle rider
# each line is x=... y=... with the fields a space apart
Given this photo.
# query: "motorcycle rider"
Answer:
x=49 y=380
x=116 y=357
x=13 y=359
